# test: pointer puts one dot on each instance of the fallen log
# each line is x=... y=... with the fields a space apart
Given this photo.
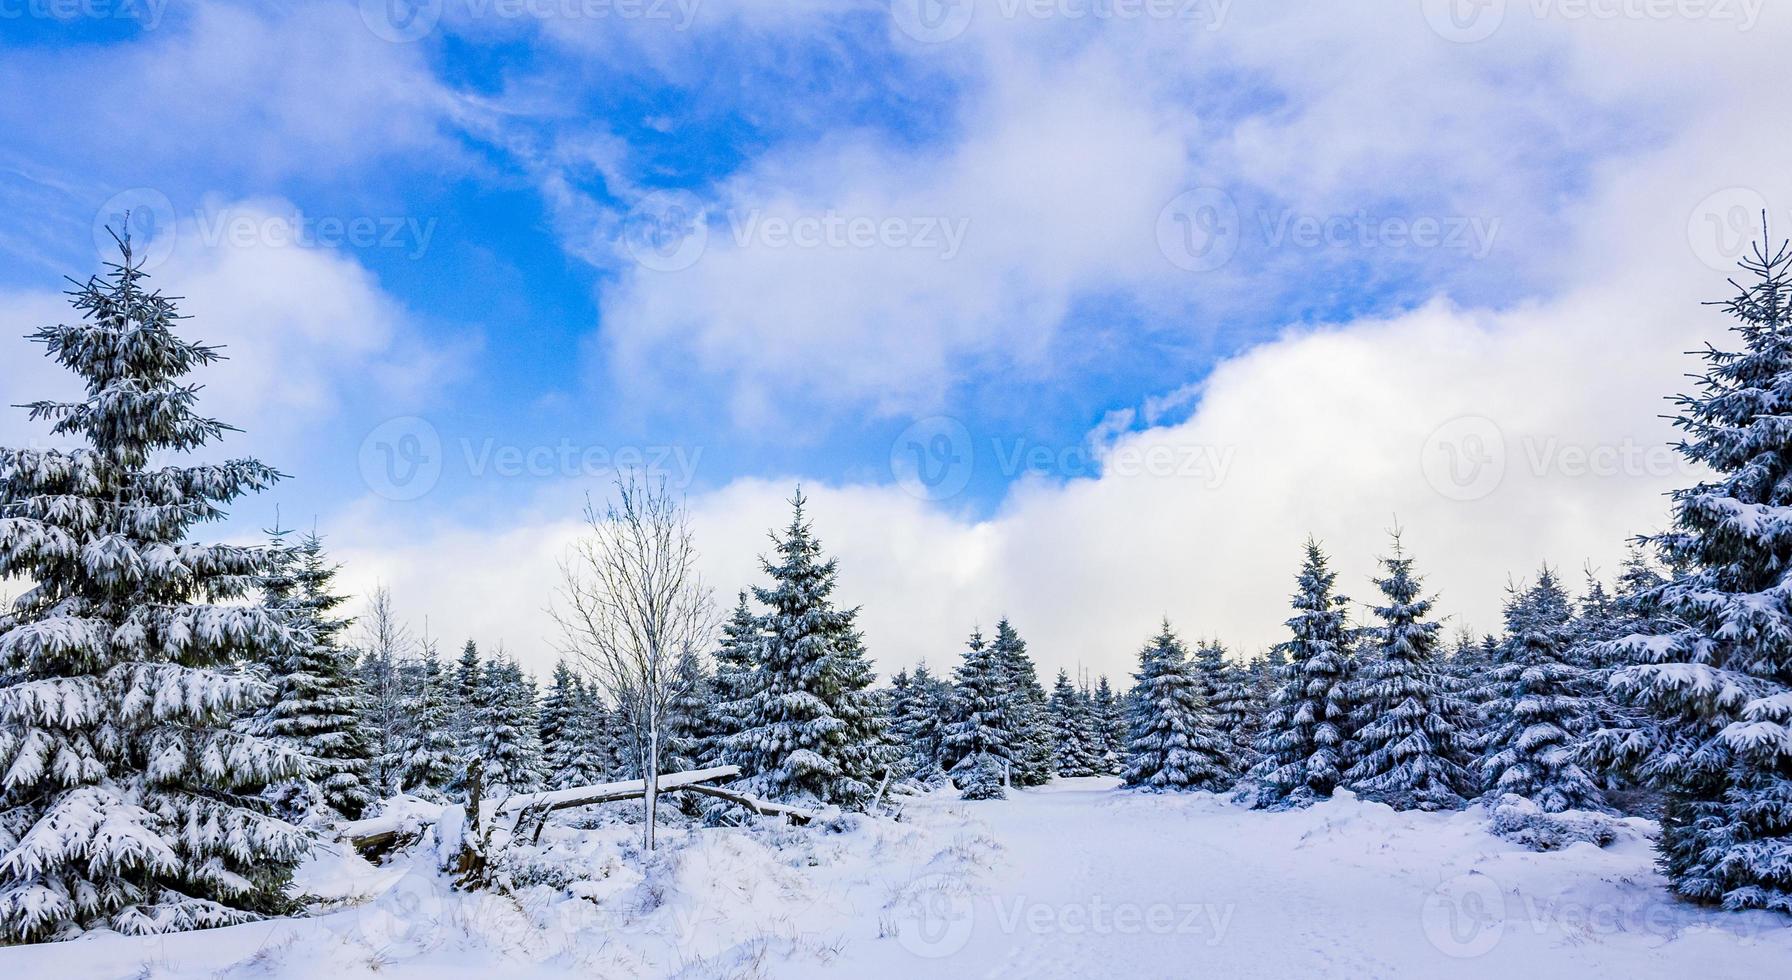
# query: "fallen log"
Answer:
x=765 y=808
x=627 y=789
x=382 y=833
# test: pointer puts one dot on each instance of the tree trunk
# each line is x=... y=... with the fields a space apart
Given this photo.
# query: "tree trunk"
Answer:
x=650 y=778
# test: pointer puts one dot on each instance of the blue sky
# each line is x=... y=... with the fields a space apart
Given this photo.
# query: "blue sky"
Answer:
x=1068 y=229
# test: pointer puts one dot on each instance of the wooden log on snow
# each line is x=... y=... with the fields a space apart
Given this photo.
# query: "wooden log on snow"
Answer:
x=797 y=814
x=382 y=833
x=628 y=789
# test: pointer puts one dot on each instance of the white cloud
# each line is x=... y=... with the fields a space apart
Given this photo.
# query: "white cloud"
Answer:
x=1334 y=431
x=303 y=329
x=300 y=89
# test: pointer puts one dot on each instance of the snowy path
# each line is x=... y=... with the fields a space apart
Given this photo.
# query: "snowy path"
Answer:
x=1097 y=883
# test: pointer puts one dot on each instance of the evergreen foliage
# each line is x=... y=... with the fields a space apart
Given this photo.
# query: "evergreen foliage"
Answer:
x=131 y=802
x=1411 y=753
x=1303 y=745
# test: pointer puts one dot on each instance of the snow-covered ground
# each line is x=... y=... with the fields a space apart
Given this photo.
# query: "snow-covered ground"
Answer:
x=1075 y=880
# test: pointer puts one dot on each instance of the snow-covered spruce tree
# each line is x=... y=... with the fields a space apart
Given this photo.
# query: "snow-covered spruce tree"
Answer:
x=581 y=754
x=429 y=756
x=737 y=664
x=130 y=803
x=1110 y=720
x=463 y=685
x=318 y=707
x=812 y=731
x=1227 y=691
x=1238 y=714
x=1411 y=754
x=556 y=705
x=1537 y=716
x=507 y=729
x=920 y=703
x=899 y=707
x=1714 y=678
x=1266 y=670
x=687 y=715
x=1076 y=743
x=1027 y=718
x=1172 y=743
x=978 y=747
x=1304 y=732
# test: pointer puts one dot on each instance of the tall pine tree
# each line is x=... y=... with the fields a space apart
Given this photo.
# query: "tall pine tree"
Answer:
x=813 y=730
x=130 y=801
x=1026 y=711
x=507 y=729
x=1538 y=715
x=1076 y=741
x=1172 y=744
x=429 y=757
x=979 y=743
x=1714 y=677
x=1412 y=755
x=1304 y=733
x=318 y=705
x=737 y=664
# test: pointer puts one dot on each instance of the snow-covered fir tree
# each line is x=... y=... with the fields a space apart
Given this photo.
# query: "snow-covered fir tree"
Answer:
x=978 y=748
x=130 y=802
x=1226 y=689
x=557 y=705
x=922 y=723
x=687 y=716
x=731 y=686
x=899 y=705
x=1714 y=678
x=1110 y=721
x=1172 y=742
x=1537 y=715
x=507 y=729
x=1033 y=760
x=468 y=674
x=429 y=755
x=1304 y=732
x=812 y=728
x=1076 y=740
x=318 y=706
x=580 y=754
x=1411 y=754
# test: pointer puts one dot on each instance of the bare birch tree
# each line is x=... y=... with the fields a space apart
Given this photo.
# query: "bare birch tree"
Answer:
x=629 y=605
